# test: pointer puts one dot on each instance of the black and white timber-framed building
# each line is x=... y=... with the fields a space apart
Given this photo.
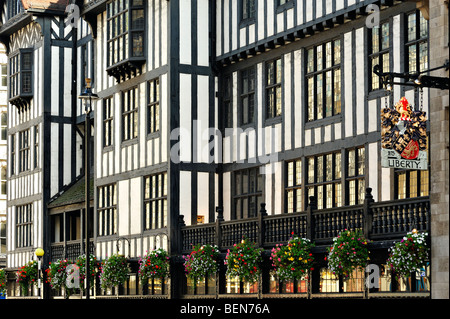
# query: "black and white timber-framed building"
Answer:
x=288 y=90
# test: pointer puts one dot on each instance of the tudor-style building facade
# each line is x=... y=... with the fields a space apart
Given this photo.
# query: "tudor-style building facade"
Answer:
x=288 y=90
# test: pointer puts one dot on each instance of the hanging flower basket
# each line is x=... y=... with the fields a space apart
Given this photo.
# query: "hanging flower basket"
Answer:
x=114 y=271
x=293 y=260
x=243 y=261
x=57 y=274
x=408 y=255
x=81 y=263
x=27 y=275
x=201 y=262
x=154 y=265
x=2 y=281
x=348 y=252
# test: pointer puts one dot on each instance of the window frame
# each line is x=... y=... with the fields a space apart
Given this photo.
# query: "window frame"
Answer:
x=286 y=5
x=416 y=42
x=227 y=101
x=4 y=125
x=246 y=77
x=120 y=44
x=296 y=187
x=421 y=189
x=4 y=74
x=24 y=150
x=313 y=71
x=36 y=146
x=238 y=195
x=153 y=118
x=155 y=207
x=107 y=210
x=248 y=11
x=3 y=177
x=12 y=154
x=18 y=73
x=108 y=121
x=320 y=180
x=273 y=114
x=379 y=54
x=24 y=225
x=14 y=8
x=357 y=176
x=130 y=114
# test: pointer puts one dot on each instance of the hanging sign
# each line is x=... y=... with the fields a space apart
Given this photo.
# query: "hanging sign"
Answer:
x=403 y=137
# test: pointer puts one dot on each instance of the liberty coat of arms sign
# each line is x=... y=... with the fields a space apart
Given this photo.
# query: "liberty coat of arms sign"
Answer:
x=403 y=137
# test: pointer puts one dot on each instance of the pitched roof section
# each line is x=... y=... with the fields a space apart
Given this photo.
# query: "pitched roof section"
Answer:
x=74 y=194
x=56 y=5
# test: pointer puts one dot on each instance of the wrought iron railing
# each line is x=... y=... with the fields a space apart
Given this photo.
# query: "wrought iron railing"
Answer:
x=70 y=250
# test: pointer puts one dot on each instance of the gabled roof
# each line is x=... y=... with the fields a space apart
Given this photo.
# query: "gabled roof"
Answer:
x=55 y=5
x=73 y=194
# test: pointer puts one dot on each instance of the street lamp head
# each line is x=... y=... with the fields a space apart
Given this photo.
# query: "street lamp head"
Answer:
x=39 y=252
x=389 y=87
x=87 y=95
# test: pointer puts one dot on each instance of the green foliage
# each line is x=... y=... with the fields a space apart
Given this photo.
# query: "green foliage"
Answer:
x=27 y=275
x=348 y=252
x=2 y=281
x=81 y=263
x=201 y=262
x=114 y=271
x=293 y=260
x=243 y=261
x=408 y=255
x=154 y=265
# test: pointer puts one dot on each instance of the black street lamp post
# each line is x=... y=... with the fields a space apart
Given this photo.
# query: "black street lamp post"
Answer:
x=87 y=96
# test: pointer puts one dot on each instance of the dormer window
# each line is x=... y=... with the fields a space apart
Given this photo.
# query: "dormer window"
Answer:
x=20 y=78
x=125 y=37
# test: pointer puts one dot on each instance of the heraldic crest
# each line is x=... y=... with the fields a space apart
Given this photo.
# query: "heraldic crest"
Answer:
x=404 y=130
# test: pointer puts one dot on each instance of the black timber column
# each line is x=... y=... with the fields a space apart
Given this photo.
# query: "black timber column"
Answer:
x=368 y=200
x=174 y=122
x=45 y=24
x=173 y=170
x=310 y=228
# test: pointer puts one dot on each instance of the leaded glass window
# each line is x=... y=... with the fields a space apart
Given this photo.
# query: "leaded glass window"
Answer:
x=417 y=42
x=323 y=78
x=355 y=175
x=24 y=225
x=248 y=187
x=248 y=9
x=125 y=30
x=247 y=95
x=273 y=88
x=155 y=201
x=130 y=103
x=412 y=183
x=21 y=73
x=4 y=125
x=153 y=106
x=379 y=53
x=228 y=102
x=24 y=150
x=324 y=179
x=108 y=122
x=107 y=210
x=294 y=196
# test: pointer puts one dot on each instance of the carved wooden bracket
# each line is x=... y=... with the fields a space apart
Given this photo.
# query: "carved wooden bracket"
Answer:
x=424 y=7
